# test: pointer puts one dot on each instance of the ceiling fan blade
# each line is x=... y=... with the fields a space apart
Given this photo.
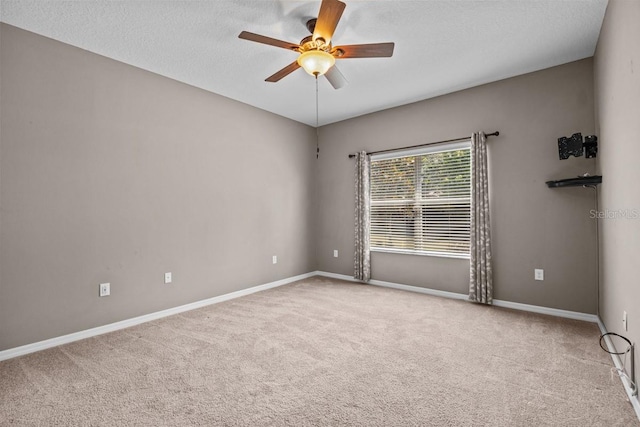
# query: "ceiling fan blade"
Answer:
x=328 y=17
x=283 y=73
x=336 y=78
x=373 y=50
x=268 y=40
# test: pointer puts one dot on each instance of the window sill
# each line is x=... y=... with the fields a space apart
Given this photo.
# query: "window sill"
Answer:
x=433 y=254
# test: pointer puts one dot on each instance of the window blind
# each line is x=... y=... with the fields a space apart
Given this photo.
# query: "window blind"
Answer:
x=420 y=203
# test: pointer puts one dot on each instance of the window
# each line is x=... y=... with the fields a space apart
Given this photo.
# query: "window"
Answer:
x=421 y=201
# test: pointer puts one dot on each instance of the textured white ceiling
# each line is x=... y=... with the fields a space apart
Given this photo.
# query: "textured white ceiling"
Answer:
x=441 y=46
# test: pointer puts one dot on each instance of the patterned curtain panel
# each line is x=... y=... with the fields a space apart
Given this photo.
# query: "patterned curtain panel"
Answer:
x=362 y=258
x=481 y=283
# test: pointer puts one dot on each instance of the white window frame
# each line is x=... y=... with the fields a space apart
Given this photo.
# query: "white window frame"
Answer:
x=419 y=152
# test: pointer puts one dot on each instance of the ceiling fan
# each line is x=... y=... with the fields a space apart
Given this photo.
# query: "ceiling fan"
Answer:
x=317 y=54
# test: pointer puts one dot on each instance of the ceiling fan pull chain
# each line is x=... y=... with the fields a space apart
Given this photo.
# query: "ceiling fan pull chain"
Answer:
x=317 y=131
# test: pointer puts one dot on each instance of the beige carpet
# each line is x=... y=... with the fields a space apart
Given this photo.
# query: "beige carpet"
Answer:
x=324 y=352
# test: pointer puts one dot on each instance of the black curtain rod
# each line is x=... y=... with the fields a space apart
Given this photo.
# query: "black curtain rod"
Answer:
x=496 y=133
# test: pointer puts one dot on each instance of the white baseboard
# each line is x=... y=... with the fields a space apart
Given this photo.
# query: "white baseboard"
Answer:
x=88 y=333
x=409 y=288
x=41 y=345
x=498 y=303
x=576 y=315
x=635 y=403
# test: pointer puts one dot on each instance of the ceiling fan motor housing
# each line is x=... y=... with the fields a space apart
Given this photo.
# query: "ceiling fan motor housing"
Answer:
x=311 y=25
x=307 y=44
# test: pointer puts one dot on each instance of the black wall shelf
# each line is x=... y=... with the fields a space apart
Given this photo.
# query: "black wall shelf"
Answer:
x=576 y=182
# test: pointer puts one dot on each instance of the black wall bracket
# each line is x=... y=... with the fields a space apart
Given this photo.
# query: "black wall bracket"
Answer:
x=575 y=146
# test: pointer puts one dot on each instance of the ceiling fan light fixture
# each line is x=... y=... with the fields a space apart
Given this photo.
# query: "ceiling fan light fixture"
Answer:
x=316 y=62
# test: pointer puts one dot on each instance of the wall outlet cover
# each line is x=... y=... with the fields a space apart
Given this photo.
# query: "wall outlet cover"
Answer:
x=538 y=274
x=105 y=289
x=168 y=278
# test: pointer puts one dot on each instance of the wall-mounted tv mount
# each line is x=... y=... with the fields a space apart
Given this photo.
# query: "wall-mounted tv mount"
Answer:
x=575 y=146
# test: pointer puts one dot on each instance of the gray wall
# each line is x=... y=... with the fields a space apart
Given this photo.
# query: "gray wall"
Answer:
x=617 y=82
x=533 y=226
x=113 y=174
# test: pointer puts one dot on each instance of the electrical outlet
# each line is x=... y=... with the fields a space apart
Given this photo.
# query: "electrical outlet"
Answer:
x=335 y=253
x=275 y=259
x=625 y=322
x=538 y=274
x=167 y=277
x=105 y=289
